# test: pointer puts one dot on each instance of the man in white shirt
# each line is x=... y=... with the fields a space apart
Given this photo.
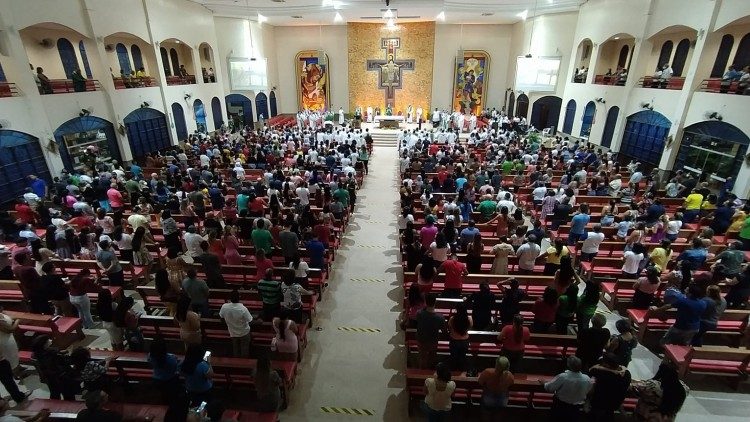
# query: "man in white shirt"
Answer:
x=527 y=255
x=238 y=319
x=507 y=202
x=539 y=193
x=303 y=193
x=591 y=244
x=193 y=242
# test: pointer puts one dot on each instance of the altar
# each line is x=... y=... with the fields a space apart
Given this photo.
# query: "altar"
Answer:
x=389 y=122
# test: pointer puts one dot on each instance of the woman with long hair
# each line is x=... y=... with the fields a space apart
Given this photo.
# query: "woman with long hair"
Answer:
x=566 y=309
x=215 y=246
x=513 y=338
x=285 y=343
x=127 y=321
x=168 y=292
x=439 y=249
x=41 y=254
x=715 y=307
x=301 y=270
x=554 y=255
x=141 y=255
x=415 y=302
x=231 y=246
x=439 y=389
x=55 y=369
x=426 y=272
x=645 y=288
x=450 y=233
x=189 y=322
x=545 y=309
x=586 y=306
x=268 y=386
x=474 y=255
x=495 y=383
x=171 y=230
x=105 y=308
x=123 y=241
x=166 y=369
x=661 y=397
x=502 y=222
x=458 y=331
x=565 y=275
x=198 y=374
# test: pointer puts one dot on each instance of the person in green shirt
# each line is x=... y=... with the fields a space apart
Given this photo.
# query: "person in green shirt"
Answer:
x=507 y=166
x=271 y=295
x=729 y=262
x=342 y=195
x=364 y=157
x=487 y=207
x=745 y=234
x=262 y=238
x=586 y=307
x=519 y=165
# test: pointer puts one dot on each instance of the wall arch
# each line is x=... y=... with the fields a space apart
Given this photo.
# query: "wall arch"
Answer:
x=722 y=56
x=135 y=51
x=216 y=113
x=712 y=149
x=511 y=104
x=609 y=126
x=665 y=54
x=67 y=56
x=175 y=59
x=742 y=57
x=622 y=60
x=545 y=112
x=180 y=125
x=89 y=125
x=570 y=114
x=680 y=56
x=165 y=61
x=199 y=111
x=588 y=118
x=522 y=106
x=272 y=104
x=239 y=109
x=147 y=131
x=261 y=106
x=20 y=156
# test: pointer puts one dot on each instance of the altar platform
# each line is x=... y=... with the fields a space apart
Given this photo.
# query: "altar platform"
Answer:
x=389 y=122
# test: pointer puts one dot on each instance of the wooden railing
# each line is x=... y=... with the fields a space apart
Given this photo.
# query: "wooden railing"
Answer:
x=179 y=80
x=8 y=89
x=675 y=83
x=609 y=80
x=716 y=85
x=63 y=86
x=126 y=83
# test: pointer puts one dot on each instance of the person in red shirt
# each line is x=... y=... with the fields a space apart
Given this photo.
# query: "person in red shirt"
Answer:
x=115 y=197
x=545 y=310
x=514 y=338
x=323 y=232
x=454 y=275
x=257 y=206
x=262 y=264
x=24 y=213
x=442 y=175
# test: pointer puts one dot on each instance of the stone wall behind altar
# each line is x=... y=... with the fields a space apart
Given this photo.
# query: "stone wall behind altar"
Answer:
x=417 y=42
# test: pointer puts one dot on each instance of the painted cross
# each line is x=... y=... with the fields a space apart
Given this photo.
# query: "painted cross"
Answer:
x=389 y=70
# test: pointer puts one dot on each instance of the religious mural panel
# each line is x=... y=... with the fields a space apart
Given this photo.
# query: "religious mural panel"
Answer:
x=470 y=81
x=312 y=81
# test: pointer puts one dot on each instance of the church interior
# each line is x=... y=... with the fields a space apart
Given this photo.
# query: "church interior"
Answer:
x=203 y=166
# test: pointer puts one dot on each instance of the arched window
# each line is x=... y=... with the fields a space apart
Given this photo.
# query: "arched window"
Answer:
x=511 y=104
x=175 y=61
x=622 y=61
x=680 y=56
x=272 y=104
x=522 y=106
x=666 y=53
x=123 y=58
x=588 y=118
x=85 y=59
x=165 y=61
x=609 y=126
x=67 y=56
x=179 y=122
x=570 y=114
x=135 y=51
x=261 y=106
x=216 y=112
x=742 y=56
x=722 y=56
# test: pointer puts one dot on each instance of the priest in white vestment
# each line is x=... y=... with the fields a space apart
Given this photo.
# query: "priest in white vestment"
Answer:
x=341 y=116
x=461 y=121
x=472 y=122
x=419 y=114
x=369 y=114
x=410 y=114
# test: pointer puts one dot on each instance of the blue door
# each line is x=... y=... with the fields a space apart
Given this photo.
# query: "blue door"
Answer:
x=609 y=126
x=261 y=106
x=216 y=113
x=570 y=115
x=147 y=131
x=272 y=104
x=179 y=122
x=20 y=156
x=644 y=135
x=588 y=118
x=545 y=112
x=239 y=109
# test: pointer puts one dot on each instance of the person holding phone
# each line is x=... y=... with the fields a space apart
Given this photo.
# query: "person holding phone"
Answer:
x=198 y=374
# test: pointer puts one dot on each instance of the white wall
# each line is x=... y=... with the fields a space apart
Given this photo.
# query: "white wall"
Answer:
x=494 y=39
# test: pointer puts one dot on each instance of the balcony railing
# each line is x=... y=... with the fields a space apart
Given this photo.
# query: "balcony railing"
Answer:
x=179 y=80
x=8 y=89
x=609 y=80
x=127 y=83
x=63 y=86
x=675 y=82
x=719 y=86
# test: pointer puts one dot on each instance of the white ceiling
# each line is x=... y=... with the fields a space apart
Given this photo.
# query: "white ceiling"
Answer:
x=312 y=12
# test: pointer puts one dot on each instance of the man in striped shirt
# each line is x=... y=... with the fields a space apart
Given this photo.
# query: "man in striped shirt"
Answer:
x=271 y=295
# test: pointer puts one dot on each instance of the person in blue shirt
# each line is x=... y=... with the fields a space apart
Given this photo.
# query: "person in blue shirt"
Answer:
x=689 y=307
x=466 y=209
x=654 y=211
x=460 y=180
x=38 y=186
x=197 y=373
x=578 y=224
x=467 y=235
x=692 y=259
x=136 y=171
x=166 y=376
x=317 y=251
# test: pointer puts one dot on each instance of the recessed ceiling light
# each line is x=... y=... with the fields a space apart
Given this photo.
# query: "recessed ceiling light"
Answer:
x=441 y=16
x=617 y=38
x=388 y=14
x=487 y=14
x=279 y=1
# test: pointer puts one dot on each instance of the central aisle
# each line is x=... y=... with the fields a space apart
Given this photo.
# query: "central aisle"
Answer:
x=356 y=363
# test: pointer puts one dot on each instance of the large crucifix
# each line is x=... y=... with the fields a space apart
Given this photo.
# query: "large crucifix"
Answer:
x=389 y=70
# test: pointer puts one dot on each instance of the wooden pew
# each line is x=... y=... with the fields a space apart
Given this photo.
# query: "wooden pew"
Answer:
x=720 y=361
x=63 y=331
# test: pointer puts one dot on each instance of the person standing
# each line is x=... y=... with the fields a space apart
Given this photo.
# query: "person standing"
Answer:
x=430 y=325
x=108 y=262
x=454 y=273
x=238 y=320
x=527 y=255
x=9 y=357
x=514 y=338
x=570 y=388
x=495 y=383
x=271 y=295
x=439 y=388
x=611 y=382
